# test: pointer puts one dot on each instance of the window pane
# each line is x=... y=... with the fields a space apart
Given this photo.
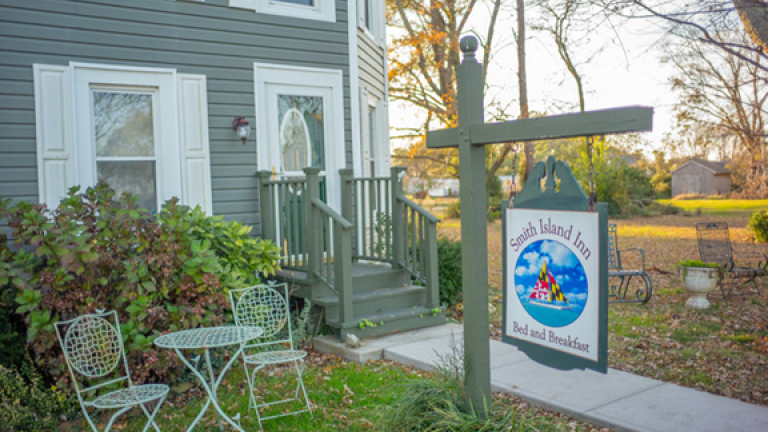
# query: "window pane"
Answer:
x=123 y=124
x=137 y=178
x=302 y=132
x=299 y=2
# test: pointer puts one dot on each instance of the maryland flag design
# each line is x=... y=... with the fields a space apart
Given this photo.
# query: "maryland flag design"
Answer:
x=547 y=288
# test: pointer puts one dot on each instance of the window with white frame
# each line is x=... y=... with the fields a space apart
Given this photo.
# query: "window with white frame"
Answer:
x=373 y=141
x=371 y=18
x=126 y=130
x=322 y=10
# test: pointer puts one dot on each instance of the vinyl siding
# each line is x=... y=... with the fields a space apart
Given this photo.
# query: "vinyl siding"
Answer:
x=371 y=59
x=207 y=38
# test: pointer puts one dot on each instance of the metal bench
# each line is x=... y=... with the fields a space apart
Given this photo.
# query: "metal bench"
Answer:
x=620 y=293
x=715 y=247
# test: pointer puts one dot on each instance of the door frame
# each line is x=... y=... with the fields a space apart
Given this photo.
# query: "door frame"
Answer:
x=314 y=80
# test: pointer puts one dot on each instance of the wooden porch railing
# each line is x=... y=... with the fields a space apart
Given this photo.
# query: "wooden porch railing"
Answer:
x=391 y=228
x=283 y=206
x=377 y=223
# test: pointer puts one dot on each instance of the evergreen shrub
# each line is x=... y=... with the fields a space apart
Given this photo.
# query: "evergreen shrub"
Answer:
x=758 y=224
x=27 y=405
x=449 y=271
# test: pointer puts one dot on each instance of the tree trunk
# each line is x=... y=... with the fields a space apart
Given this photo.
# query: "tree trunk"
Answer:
x=754 y=15
x=522 y=82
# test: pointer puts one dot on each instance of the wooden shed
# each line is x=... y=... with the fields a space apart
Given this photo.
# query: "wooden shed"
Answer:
x=701 y=177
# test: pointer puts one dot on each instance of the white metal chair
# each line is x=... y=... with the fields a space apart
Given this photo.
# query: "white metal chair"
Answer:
x=266 y=307
x=93 y=349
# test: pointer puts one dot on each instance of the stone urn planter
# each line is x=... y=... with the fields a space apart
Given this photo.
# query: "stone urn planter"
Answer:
x=699 y=279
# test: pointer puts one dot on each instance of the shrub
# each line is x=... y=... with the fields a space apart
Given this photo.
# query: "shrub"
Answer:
x=449 y=270
x=758 y=224
x=27 y=405
x=242 y=258
x=95 y=252
x=453 y=211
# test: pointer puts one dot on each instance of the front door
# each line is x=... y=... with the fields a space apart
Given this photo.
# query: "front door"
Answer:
x=300 y=123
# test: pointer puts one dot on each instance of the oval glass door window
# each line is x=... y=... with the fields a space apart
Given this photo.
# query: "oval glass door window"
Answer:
x=302 y=132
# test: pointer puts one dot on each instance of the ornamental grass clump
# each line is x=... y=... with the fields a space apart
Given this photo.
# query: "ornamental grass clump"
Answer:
x=96 y=251
x=439 y=403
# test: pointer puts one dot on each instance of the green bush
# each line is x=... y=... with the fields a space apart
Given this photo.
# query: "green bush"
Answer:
x=242 y=258
x=453 y=211
x=159 y=272
x=449 y=270
x=758 y=224
x=617 y=183
x=27 y=405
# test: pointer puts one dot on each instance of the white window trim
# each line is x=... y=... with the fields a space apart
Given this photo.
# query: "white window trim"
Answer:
x=64 y=148
x=168 y=165
x=381 y=147
x=378 y=32
x=323 y=10
x=300 y=78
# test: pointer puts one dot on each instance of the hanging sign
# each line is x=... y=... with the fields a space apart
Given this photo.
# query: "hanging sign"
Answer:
x=555 y=304
x=552 y=261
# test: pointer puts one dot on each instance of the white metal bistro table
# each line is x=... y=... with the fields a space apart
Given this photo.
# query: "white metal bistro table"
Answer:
x=205 y=339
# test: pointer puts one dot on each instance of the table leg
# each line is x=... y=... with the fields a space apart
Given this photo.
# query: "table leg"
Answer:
x=211 y=390
x=213 y=382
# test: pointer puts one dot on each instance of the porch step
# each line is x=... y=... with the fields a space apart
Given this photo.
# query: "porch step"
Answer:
x=392 y=321
x=377 y=302
x=366 y=277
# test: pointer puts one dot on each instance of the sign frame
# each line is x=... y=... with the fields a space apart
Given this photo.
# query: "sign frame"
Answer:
x=570 y=198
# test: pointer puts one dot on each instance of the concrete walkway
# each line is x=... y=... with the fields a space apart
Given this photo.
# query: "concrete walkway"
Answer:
x=617 y=400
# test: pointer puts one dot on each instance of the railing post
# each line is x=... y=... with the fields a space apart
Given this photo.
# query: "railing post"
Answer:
x=348 y=203
x=342 y=270
x=314 y=223
x=266 y=207
x=431 y=273
x=398 y=221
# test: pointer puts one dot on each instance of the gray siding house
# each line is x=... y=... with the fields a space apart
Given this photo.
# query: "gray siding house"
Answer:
x=701 y=177
x=152 y=96
x=143 y=94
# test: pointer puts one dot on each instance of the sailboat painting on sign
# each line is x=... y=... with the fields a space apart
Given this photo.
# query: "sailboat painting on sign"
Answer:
x=551 y=283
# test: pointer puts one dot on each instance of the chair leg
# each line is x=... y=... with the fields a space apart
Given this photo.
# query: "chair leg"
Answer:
x=151 y=417
x=300 y=377
x=114 y=417
x=251 y=381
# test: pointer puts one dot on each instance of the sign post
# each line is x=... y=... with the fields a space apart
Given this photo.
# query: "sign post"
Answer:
x=470 y=136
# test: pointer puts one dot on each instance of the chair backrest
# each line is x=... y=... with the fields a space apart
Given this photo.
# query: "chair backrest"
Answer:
x=266 y=307
x=93 y=349
x=714 y=242
x=614 y=260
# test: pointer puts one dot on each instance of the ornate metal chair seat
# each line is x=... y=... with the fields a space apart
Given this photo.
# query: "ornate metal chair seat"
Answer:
x=275 y=357
x=93 y=349
x=715 y=247
x=265 y=307
x=618 y=293
x=131 y=396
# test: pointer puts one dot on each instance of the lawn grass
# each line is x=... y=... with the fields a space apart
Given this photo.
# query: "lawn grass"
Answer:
x=344 y=396
x=718 y=206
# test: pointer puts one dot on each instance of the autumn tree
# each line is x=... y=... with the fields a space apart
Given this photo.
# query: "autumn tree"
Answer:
x=423 y=55
x=723 y=93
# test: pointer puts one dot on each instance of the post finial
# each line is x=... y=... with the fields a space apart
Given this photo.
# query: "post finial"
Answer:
x=468 y=46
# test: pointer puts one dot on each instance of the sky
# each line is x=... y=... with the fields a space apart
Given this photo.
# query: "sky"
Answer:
x=627 y=71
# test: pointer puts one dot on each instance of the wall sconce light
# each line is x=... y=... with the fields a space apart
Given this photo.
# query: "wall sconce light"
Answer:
x=240 y=125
